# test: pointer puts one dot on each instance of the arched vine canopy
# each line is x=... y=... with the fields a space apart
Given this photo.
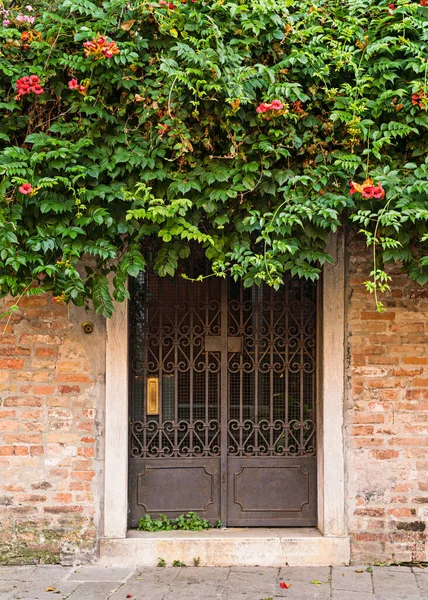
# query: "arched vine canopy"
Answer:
x=252 y=128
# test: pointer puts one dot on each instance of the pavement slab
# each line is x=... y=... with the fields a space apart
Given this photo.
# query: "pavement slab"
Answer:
x=197 y=593
x=342 y=595
x=34 y=590
x=422 y=581
x=92 y=582
x=17 y=573
x=217 y=574
x=304 y=574
x=255 y=580
x=140 y=592
x=305 y=591
x=395 y=583
x=154 y=576
x=48 y=573
x=93 y=573
x=352 y=579
x=8 y=588
x=94 y=590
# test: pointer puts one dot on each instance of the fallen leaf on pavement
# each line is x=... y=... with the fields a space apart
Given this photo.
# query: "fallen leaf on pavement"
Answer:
x=284 y=585
x=129 y=595
x=316 y=582
x=359 y=571
x=50 y=589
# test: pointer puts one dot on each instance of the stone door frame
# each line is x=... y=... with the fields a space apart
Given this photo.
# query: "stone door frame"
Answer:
x=330 y=440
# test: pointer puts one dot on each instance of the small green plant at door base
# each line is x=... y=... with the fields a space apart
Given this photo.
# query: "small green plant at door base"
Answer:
x=161 y=562
x=178 y=563
x=188 y=522
x=196 y=561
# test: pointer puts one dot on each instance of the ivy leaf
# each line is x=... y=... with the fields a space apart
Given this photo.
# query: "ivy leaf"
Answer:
x=101 y=296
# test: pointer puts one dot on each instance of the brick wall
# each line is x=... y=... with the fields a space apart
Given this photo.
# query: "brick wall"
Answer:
x=51 y=415
x=386 y=418
x=51 y=426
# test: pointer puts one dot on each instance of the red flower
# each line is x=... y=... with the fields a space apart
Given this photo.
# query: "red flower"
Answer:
x=284 y=585
x=378 y=191
x=100 y=48
x=297 y=106
x=277 y=105
x=424 y=2
x=110 y=49
x=26 y=85
x=391 y=6
x=263 y=107
x=419 y=98
x=353 y=189
x=266 y=107
x=73 y=84
x=90 y=46
x=367 y=189
x=25 y=188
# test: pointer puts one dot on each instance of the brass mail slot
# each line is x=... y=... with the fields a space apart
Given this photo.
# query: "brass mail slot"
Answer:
x=213 y=343
x=153 y=396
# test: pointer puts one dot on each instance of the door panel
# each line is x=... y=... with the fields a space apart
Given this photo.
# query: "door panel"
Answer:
x=222 y=408
x=175 y=487
x=272 y=492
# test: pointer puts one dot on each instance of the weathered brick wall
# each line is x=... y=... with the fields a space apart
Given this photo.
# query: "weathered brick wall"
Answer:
x=386 y=418
x=52 y=418
x=51 y=442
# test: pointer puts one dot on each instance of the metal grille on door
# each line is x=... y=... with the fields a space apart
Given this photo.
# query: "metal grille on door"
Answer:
x=223 y=401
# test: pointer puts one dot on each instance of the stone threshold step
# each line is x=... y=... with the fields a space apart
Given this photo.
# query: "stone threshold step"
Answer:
x=227 y=548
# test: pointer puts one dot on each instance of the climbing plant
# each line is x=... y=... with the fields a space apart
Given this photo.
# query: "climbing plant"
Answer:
x=250 y=128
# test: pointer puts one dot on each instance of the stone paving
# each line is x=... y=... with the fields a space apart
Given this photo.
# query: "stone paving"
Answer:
x=209 y=583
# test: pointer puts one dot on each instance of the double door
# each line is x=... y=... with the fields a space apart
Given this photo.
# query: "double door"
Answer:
x=222 y=401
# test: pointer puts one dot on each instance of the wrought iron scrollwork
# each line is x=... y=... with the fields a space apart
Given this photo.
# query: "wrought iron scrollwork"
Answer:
x=276 y=438
x=151 y=439
x=271 y=377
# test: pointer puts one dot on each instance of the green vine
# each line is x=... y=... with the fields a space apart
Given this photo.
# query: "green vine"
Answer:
x=236 y=126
